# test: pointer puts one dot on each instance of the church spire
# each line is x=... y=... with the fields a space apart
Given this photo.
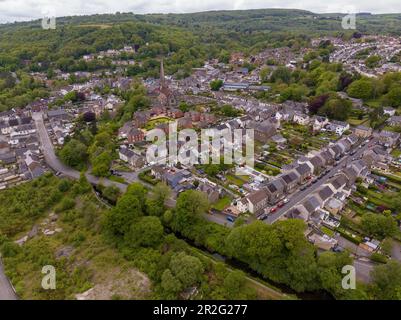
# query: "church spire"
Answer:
x=162 y=79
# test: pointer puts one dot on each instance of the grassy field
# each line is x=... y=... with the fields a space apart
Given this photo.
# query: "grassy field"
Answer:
x=222 y=203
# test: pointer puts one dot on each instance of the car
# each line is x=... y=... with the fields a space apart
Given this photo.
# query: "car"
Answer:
x=230 y=218
x=58 y=173
x=303 y=188
x=281 y=204
x=286 y=200
x=274 y=209
x=262 y=216
x=314 y=181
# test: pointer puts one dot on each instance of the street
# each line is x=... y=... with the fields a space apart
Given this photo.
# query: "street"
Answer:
x=6 y=290
x=54 y=163
x=299 y=196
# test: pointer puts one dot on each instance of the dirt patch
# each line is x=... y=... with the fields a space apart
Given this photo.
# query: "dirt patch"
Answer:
x=119 y=284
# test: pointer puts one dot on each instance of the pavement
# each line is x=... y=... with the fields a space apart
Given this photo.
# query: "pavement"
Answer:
x=299 y=196
x=6 y=290
x=362 y=270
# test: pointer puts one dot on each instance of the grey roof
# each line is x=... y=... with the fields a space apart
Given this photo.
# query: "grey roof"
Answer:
x=275 y=186
x=311 y=204
x=303 y=169
x=290 y=177
x=325 y=193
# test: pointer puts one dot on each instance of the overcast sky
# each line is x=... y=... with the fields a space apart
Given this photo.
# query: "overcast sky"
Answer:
x=17 y=10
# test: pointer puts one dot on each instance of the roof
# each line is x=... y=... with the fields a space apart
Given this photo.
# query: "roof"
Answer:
x=339 y=181
x=257 y=196
x=290 y=177
x=275 y=186
x=325 y=193
x=311 y=204
x=303 y=169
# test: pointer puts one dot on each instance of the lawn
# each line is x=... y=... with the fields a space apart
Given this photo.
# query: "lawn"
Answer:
x=222 y=203
x=237 y=180
x=154 y=122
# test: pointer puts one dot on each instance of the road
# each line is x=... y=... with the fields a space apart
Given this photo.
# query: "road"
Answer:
x=363 y=267
x=6 y=290
x=300 y=195
x=54 y=163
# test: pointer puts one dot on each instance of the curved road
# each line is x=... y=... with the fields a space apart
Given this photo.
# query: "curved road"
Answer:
x=54 y=163
x=6 y=290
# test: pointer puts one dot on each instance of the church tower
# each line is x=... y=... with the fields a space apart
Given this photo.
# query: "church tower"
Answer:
x=162 y=79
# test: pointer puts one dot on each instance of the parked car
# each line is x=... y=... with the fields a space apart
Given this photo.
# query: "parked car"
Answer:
x=230 y=218
x=274 y=209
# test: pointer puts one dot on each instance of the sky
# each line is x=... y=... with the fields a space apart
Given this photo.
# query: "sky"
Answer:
x=20 y=10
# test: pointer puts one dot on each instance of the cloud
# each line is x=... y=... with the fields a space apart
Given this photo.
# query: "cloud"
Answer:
x=18 y=10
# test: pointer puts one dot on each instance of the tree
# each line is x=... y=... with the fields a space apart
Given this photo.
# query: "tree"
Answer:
x=155 y=202
x=386 y=281
x=280 y=252
x=74 y=154
x=233 y=284
x=282 y=74
x=378 y=225
x=145 y=232
x=317 y=102
x=187 y=269
x=119 y=219
x=393 y=97
x=190 y=205
x=336 y=108
x=330 y=267
x=101 y=164
x=170 y=284
x=372 y=61
x=361 y=89
x=215 y=85
x=111 y=193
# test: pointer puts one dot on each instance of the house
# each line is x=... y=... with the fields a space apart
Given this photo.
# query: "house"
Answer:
x=135 y=135
x=395 y=121
x=263 y=131
x=242 y=205
x=304 y=171
x=141 y=118
x=291 y=181
x=133 y=159
x=319 y=122
x=312 y=203
x=275 y=190
x=389 y=139
x=339 y=127
x=334 y=206
x=389 y=111
x=212 y=192
x=301 y=118
x=317 y=163
x=157 y=171
x=363 y=132
x=59 y=114
x=279 y=140
x=257 y=201
x=327 y=157
x=124 y=130
x=325 y=193
x=338 y=182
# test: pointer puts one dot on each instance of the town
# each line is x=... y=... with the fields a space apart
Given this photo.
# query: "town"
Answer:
x=334 y=170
